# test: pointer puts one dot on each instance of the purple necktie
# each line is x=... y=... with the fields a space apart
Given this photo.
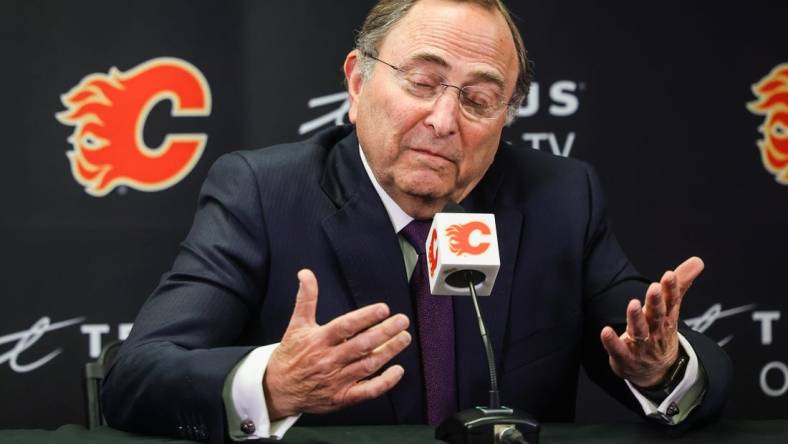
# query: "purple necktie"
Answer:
x=435 y=322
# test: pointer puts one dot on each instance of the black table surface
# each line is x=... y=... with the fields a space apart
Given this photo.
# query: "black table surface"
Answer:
x=725 y=431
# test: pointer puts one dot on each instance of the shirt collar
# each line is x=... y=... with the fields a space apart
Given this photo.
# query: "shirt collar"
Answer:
x=398 y=217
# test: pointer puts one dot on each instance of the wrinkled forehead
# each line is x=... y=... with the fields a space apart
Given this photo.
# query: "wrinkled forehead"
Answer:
x=463 y=39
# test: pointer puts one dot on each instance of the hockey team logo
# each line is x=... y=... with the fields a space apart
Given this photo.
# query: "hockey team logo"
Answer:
x=109 y=112
x=433 y=252
x=460 y=238
x=772 y=102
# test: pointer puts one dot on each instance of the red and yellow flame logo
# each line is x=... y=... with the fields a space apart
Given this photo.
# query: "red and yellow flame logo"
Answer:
x=460 y=238
x=108 y=113
x=772 y=102
x=433 y=252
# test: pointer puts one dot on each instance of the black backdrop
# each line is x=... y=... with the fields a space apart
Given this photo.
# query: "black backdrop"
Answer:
x=654 y=95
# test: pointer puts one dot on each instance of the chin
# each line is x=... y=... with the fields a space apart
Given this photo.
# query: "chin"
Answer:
x=426 y=189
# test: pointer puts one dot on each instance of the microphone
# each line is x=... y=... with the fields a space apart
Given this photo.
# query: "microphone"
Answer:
x=460 y=244
x=463 y=259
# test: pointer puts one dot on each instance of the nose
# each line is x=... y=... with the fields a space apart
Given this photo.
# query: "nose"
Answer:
x=443 y=118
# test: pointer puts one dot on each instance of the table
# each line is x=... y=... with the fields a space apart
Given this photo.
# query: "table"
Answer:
x=725 y=431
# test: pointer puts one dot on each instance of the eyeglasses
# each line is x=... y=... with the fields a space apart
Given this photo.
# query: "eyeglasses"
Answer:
x=478 y=102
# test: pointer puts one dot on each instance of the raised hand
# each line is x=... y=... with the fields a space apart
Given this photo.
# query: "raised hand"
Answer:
x=650 y=345
x=317 y=369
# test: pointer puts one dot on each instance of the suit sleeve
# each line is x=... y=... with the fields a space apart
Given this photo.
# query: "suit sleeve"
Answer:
x=610 y=281
x=169 y=374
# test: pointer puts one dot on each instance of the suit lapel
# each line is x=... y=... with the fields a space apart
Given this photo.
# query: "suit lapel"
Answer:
x=370 y=259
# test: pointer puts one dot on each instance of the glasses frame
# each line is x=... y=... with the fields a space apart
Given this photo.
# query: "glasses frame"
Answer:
x=502 y=103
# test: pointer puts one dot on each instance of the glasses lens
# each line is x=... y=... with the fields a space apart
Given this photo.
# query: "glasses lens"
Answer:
x=420 y=84
x=480 y=101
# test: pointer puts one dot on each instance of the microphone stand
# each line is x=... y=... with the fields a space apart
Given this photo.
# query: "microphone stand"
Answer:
x=494 y=424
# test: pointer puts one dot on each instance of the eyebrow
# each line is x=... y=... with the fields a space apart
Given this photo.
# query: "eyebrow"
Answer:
x=483 y=76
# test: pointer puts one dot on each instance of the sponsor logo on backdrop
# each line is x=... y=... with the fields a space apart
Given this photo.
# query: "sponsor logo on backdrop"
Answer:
x=336 y=116
x=21 y=341
x=562 y=100
x=109 y=112
x=778 y=384
x=713 y=314
x=771 y=94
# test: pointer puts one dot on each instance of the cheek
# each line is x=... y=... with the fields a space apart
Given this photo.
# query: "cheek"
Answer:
x=391 y=127
x=379 y=118
x=472 y=167
x=480 y=156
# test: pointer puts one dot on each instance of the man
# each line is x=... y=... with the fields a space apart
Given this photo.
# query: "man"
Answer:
x=228 y=344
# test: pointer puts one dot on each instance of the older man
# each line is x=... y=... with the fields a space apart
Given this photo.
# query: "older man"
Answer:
x=230 y=343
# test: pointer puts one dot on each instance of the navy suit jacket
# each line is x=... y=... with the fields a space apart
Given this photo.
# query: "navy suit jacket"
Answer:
x=265 y=214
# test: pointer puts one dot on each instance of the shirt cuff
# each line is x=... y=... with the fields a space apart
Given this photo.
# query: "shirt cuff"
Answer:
x=683 y=399
x=244 y=400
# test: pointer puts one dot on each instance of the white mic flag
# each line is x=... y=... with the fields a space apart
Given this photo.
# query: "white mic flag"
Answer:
x=459 y=242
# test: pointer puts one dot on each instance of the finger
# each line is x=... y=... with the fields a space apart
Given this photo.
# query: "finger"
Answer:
x=365 y=342
x=306 y=300
x=371 y=363
x=688 y=271
x=637 y=327
x=673 y=296
x=655 y=303
x=349 y=324
x=614 y=346
x=374 y=387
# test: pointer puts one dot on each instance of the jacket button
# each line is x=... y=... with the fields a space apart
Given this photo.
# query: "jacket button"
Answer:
x=247 y=426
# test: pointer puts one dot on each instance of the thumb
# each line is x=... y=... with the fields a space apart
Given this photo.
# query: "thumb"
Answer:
x=306 y=300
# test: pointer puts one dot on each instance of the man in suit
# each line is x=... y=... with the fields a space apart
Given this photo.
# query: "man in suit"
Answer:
x=231 y=343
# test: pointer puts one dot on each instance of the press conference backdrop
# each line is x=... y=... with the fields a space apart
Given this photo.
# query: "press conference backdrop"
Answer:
x=682 y=107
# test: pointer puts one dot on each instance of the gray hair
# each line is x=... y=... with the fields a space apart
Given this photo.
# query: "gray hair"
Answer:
x=386 y=13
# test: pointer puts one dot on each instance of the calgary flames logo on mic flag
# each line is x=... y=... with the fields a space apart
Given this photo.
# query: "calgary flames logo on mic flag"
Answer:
x=108 y=113
x=433 y=253
x=772 y=102
x=460 y=238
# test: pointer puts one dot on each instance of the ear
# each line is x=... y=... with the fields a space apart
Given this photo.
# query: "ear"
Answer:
x=355 y=83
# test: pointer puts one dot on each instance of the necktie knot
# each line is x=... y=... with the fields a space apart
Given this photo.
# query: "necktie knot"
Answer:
x=416 y=233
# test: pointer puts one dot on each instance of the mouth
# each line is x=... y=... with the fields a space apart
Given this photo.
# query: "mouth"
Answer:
x=431 y=154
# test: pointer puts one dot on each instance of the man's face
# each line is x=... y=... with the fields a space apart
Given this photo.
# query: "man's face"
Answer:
x=424 y=152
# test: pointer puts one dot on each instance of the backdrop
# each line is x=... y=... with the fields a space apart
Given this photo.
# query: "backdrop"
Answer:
x=681 y=106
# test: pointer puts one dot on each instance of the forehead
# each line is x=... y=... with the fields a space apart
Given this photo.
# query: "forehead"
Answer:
x=467 y=37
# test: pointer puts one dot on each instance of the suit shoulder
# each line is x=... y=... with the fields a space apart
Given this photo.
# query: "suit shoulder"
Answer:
x=283 y=161
x=533 y=166
x=285 y=156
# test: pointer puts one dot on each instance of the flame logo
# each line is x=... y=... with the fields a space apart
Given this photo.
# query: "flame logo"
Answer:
x=460 y=238
x=772 y=102
x=432 y=256
x=108 y=113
